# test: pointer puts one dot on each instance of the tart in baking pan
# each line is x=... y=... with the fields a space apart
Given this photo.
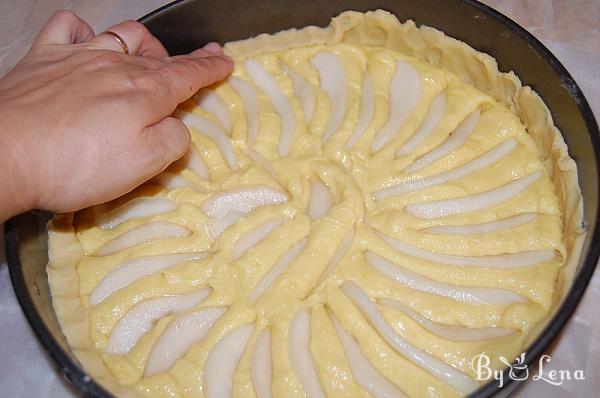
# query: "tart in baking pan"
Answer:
x=365 y=208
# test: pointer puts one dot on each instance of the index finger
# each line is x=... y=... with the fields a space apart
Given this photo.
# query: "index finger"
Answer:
x=185 y=76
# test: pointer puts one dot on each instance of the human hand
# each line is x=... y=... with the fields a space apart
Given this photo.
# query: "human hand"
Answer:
x=82 y=123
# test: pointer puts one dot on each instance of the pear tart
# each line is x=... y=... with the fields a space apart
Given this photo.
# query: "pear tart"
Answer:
x=364 y=209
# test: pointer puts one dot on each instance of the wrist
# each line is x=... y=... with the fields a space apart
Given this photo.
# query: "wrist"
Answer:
x=17 y=193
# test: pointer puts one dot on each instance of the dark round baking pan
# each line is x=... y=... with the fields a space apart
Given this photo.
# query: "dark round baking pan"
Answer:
x=185 y=25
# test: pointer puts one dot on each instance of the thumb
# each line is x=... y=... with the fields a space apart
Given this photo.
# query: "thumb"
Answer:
x=165 y=142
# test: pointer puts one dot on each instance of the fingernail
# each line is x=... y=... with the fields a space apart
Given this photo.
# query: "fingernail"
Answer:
x=213 y=47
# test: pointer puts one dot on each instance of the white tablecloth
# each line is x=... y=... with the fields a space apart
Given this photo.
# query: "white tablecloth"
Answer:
x=25 y=370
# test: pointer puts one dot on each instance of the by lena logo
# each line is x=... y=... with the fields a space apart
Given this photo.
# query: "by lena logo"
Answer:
x=518 y=367
x=519 y=371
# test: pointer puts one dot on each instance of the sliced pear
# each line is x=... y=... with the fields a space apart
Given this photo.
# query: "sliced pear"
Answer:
x=510 y=260
x=142 y=234
x=333 y=82
x=138 y=207
x=433 y=117
x=142 y=317
x=213 y=132
x=300 y=358
x=338 y=255
x=320 y=201
x=405 y=92
x=174 y=181
x=279 y=100
x=222 y=362
x=252 y=238
x=445 y=372
x=366 y=375
x=242 y=200
x=211 y=102
x=277 y=269
x=193 y=161
x=216 y=226
x=454 y=140
x=251 y=103
x=448 y=332
x=367 y=109
x=180 y=334
x=130 y=271
x=304 y=91
x=467 y=294
x=482 y=228
x=474 y=202
x=264 y=163
x=227 y=207
x=486 y=160
x=261 y=365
